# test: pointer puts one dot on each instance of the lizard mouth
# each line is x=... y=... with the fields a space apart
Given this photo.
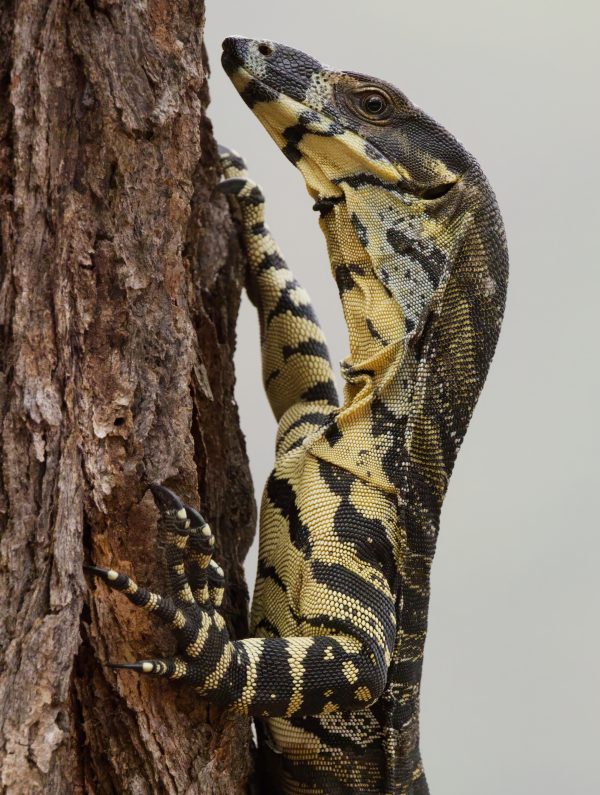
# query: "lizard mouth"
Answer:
x=229 y=58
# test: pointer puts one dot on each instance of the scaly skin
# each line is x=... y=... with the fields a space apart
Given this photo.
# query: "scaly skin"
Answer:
x=350 y=514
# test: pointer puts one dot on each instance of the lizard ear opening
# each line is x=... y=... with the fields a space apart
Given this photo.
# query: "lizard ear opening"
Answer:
x=437 y=191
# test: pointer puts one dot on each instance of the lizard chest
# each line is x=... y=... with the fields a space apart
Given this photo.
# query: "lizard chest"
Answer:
x=316 y=520
x=284 y=546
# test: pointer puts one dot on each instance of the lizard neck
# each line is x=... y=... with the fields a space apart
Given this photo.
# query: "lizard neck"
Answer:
x=368 y=432
x=373 y=317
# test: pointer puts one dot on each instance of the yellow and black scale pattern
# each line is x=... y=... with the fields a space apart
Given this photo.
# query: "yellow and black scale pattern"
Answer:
x=350 y=514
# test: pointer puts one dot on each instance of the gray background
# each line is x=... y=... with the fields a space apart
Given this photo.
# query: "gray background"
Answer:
x=511 y=696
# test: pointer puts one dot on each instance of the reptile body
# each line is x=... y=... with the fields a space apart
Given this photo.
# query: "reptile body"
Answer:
x=350 y=513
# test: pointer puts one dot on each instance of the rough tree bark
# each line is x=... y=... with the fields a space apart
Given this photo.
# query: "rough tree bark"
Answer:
x=120 y=288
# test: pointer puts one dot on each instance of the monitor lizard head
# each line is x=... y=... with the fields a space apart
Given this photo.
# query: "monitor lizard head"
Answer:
x=406 y=210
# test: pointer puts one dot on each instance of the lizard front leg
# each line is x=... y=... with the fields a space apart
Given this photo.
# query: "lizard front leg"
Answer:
x=195 y=584
x=296 y=364
x=344 y=669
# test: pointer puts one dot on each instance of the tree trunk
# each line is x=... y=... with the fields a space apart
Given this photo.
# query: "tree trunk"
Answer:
x=121 y=279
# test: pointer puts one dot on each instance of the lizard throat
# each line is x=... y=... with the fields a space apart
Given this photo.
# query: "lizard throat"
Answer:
x=374 y=319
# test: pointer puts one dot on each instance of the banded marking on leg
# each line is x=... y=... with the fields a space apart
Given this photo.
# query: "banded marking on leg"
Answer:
x=200 y=551
x=170 y=667
x=232 y=162
x=176 y=524
x=216 y=583
x=296 y=363
x=164 y=608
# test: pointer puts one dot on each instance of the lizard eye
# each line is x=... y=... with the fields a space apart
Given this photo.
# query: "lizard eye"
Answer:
x=372 y=104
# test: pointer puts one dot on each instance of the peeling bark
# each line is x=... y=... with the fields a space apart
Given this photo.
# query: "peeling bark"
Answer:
x=120 y=283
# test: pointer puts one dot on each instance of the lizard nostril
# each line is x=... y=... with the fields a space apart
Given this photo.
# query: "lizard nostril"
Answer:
x=265 y=49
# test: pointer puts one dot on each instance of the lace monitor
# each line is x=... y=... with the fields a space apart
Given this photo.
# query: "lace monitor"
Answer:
x=350 y=513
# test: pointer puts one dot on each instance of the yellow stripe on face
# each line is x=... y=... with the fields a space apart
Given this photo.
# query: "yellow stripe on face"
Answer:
x=240 y=79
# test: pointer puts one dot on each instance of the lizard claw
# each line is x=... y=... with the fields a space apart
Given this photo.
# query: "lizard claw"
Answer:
x=231 y=159
x=142 y=667
x=99 y=571
x=169 y=504
x=174 y=668
x=197 y=521
x=225 y=151
x=166 y=500
x=231 y=186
